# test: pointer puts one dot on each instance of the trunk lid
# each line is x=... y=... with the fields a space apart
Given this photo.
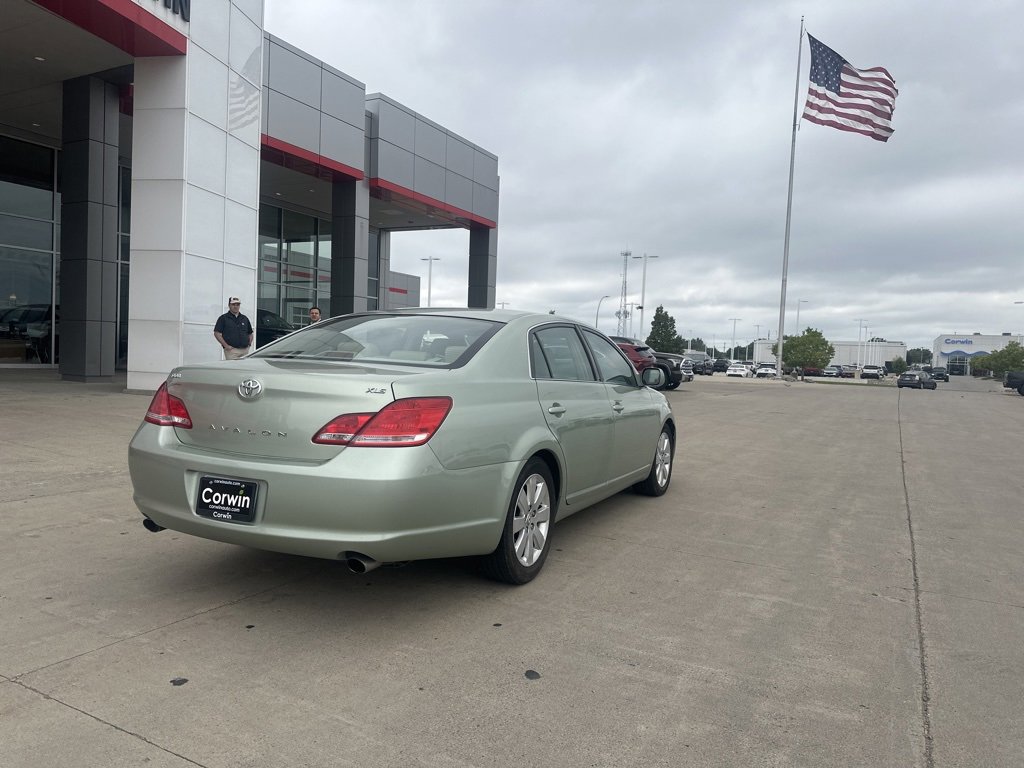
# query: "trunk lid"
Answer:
x=272 y=408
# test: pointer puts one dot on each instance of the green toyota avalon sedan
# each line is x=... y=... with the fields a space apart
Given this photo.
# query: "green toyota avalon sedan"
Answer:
x=393 y=436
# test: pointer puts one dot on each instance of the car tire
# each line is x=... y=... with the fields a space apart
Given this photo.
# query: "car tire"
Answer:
x=672 y=385
x=657 y=481
x=528 y=521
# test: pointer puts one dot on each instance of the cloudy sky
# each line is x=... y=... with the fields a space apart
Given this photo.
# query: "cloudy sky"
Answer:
x=664 y=127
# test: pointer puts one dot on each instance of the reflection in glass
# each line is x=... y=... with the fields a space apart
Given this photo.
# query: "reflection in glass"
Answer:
x=26 y=311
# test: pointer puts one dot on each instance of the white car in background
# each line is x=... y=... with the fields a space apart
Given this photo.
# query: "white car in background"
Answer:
x=872 y=372
x=765 y=371
x=739 y=369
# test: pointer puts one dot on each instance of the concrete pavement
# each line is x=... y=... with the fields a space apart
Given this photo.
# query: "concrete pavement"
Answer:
x=834 y=578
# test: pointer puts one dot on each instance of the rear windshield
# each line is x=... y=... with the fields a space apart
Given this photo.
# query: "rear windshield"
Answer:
x=427 y=340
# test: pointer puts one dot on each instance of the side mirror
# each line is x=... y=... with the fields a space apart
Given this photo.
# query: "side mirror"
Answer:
x=653 y=377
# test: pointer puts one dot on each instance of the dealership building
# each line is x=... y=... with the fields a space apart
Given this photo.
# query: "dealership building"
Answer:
x=846 y=352
x=159 y=156
x=956 y=350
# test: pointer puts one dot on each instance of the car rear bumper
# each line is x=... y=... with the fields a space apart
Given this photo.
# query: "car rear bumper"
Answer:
x=389 y=504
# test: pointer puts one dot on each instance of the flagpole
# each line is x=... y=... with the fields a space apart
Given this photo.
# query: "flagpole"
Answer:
x=789 y=204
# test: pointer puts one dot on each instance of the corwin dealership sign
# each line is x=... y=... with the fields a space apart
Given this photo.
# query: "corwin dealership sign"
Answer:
x=181 y=8
x=966 y=342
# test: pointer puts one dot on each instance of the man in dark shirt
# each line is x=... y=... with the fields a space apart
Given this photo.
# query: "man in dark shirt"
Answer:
x=233 y=331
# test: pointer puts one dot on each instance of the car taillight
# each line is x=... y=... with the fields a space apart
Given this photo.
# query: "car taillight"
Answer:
x=402 y=423
x=166 y=410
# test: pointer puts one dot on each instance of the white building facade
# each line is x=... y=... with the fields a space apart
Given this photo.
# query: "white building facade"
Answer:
x=846 y=352
x=956 y=350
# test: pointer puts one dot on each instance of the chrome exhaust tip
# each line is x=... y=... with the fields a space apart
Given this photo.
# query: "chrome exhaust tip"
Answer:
x=359 y=563
x=150 y=526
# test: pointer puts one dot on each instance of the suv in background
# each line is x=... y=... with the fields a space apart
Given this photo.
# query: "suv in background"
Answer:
x=872 y=372
x=642 y=356
x=680 y=368
x=703 y=364
x=721 y=365
x=939 y=373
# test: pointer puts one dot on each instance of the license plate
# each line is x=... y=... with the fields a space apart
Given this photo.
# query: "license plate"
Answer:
x=233 y=501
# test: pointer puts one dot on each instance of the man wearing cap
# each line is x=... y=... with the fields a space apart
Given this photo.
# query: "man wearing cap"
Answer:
x=233 y=331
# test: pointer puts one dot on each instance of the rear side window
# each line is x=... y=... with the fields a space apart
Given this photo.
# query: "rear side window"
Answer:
x=558 y=353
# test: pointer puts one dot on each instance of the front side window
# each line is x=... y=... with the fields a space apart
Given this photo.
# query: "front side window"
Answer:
x=613 y=367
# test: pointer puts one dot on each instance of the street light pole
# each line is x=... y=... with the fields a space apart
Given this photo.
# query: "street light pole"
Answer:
x=732 y=350
x=598 y=313
x=860 y=329
x=798 y=303
x=643 y=287
x=430 y=273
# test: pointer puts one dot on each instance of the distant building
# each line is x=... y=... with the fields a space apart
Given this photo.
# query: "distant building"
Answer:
x=846 y=352
x=956 y=350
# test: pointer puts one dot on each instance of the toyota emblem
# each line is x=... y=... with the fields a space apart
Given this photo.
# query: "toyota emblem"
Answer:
x=250 y=389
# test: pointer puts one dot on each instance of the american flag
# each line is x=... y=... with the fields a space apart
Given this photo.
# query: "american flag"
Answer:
x=850 y=99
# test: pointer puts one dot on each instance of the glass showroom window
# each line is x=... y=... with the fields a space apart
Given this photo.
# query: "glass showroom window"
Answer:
x=28 y=332
x=295 y=267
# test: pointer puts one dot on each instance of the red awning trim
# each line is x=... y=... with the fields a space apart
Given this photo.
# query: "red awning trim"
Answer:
x=306 y=161
x=122 y=23
x=400 y=191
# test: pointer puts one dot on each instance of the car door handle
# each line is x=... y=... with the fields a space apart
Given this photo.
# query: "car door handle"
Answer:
x=618 y=407
x=556 y=409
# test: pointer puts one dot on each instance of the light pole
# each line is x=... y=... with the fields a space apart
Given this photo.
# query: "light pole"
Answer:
x=430 y=273
x=502 y=304
x=598 y=313
x=643 y=287
x=798 y=303
x=732 y=350
x=860 y=329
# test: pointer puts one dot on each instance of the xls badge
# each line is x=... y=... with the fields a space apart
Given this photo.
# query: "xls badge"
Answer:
x=250 y=389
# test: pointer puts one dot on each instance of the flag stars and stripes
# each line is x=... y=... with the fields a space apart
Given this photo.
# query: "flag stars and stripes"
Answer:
x=849 y=99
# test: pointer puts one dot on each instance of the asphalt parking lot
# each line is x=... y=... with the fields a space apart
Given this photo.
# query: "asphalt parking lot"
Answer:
x=834 y=579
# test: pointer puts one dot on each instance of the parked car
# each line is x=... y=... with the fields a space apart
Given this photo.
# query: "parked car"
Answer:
x=811 y=370
x=739 y=369
x=639 y=355
x=270 y=326
x=721 y=365
x=347 y=440
x=765 y=371
x=1014 y=380
x=832 y=371
x=703 y=363
x=14 y=322
x=872 y=372
x=916 y=380
x=679 y=369
x=939 y=373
